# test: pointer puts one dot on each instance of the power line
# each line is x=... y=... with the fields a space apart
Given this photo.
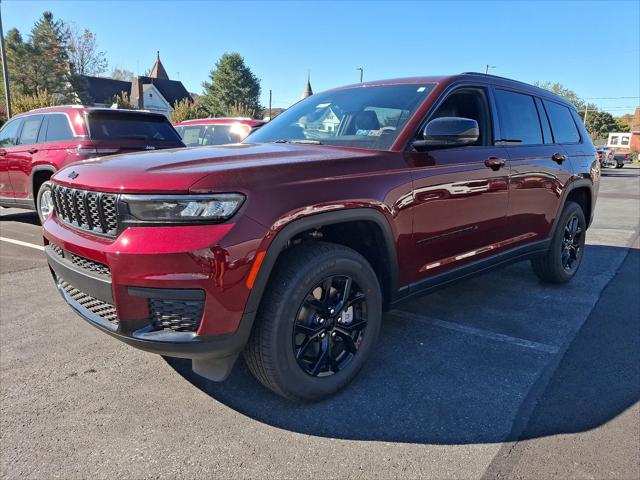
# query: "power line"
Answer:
x=608 y=98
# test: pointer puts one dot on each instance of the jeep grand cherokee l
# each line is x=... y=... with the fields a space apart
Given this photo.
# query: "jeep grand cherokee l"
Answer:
x=288 y=247
x=35 y=144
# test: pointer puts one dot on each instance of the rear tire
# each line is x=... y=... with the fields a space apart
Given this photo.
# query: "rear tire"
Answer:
x=44 y=201
x=318 y=322
x=619 y=165
x=562 y=260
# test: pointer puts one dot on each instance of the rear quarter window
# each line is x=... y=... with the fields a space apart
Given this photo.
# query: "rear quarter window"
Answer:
x=58 y=128
x=519 y=121
x=562 y=124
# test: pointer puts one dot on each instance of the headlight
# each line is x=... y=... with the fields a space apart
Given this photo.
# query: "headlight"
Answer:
x=180 y=208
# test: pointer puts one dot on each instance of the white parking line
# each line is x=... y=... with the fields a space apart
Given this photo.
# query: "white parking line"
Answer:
x=520 y=342
x=23 y=244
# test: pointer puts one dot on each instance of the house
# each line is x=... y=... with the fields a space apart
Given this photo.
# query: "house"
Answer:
x=627 y=141
x=155 y=92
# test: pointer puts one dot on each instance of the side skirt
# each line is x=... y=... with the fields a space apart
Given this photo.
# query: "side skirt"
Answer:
x=463 y=272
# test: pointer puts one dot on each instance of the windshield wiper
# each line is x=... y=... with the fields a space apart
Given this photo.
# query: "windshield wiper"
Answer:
x=301 y=141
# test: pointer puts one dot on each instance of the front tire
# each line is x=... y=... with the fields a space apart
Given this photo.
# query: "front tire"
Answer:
x=44 y=201
x=318 y=322
x=562 y=260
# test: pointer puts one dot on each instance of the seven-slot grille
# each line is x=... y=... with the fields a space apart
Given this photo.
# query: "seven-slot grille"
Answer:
x=92 y=211
x=104 y=310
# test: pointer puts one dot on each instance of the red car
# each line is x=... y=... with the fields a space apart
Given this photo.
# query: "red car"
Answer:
x=289 y=246
x=216 y=131
x=36 y=144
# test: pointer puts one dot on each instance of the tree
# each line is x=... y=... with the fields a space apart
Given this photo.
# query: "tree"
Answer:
x=20 y=63
x=51 y=61
x=84 y=56
x=122 y=101
x=599 y=124
x=232 y=86
x=187 y=109
x=122 y=74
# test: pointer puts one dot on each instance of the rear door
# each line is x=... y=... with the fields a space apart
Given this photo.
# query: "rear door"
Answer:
x=23 y=155
x=8 y=140
x=539 y=168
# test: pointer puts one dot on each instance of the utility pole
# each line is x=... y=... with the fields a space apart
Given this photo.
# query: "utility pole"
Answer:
x=586 y=109
x=5 y=72
x=269 y=104
x=361 y=72
x=487 y=67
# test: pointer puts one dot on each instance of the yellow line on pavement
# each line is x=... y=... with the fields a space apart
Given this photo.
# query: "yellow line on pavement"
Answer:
x=23 y=244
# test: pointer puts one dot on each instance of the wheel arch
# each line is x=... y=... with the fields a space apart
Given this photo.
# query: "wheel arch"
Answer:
x=579 y=191
x=317 y=222
x=39 y=175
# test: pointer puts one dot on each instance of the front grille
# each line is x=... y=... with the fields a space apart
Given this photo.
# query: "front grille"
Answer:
x=89 y=265
x=176 y=315
x=104 y=310
x=92 y=211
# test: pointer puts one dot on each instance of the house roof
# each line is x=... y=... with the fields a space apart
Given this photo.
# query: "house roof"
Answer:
x=102 y=90
x=158 y=71
x=172 y=90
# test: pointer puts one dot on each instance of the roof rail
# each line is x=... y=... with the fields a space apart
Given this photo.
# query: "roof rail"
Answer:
x=497 y=76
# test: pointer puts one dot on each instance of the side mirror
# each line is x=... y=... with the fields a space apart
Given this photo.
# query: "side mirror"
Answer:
x=449 y=132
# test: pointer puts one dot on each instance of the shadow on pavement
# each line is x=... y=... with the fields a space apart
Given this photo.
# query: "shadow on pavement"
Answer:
x=22 y=217
x=432 y=385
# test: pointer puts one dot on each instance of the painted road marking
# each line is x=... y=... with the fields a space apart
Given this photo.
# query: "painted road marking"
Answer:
x=499 y=337
x=23 y=244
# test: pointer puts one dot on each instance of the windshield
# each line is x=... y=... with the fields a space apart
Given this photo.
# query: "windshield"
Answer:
x=213 y=134
x=363 y=117
x=111 y=125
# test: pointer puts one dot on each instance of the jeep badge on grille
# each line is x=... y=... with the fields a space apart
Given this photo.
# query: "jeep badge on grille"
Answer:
x=73 y=175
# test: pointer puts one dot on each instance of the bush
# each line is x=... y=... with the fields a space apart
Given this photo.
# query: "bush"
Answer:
x=187 y=109
x=122 y=101
x=24 y=103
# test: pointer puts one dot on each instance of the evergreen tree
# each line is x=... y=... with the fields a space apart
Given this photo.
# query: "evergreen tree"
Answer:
x=51 y=63
x=232 y=87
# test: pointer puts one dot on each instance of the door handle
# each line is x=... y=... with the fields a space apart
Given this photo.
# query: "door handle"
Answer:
x=558 y=158
x=32 y=150
x=3 y=152
x=495 y=163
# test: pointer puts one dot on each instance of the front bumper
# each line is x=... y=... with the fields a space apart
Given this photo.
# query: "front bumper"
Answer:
x=120 y=286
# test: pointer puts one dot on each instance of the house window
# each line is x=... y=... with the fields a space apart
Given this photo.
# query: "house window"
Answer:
x=624 y=140
x=614 y=140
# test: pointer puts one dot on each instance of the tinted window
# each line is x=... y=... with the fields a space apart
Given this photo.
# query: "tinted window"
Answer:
x=58 y=128
x=9 y=133
x=30 y=129
x=468 y=103
x=562 y=124
x=363 y=117
x=544 y=121
x=519 y=120
x=107 y=125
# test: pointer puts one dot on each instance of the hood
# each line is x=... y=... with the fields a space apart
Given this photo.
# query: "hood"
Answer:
x=176 y=170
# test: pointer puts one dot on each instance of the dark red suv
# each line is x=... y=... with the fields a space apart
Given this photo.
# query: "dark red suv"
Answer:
x=35 y=144
x=289 y=246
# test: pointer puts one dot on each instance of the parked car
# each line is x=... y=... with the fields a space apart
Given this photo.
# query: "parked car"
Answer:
x=605 y=155
x=216 y=131
x=35 y=144
x=289 y=246
x=620 y=158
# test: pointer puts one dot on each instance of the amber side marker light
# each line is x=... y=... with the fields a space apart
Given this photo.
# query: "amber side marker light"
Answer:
x=255 y=269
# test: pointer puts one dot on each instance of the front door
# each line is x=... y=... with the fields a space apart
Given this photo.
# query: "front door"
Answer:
x=23 y=155
x=460 y=195
x=8 y=140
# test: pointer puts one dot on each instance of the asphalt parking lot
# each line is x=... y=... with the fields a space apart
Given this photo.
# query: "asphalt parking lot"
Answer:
x=499 y=376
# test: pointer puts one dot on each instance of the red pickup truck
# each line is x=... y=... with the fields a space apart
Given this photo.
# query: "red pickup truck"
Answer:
x=289 y=246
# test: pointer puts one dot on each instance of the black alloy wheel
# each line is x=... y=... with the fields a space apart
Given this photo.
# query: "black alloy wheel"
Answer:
x=330 y=326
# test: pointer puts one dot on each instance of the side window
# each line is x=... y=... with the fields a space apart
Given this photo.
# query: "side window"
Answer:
x=562 y=124
x=30 y=129
x=519 y=121
x=9 y=133
x=58 y=128
x=468 y=103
